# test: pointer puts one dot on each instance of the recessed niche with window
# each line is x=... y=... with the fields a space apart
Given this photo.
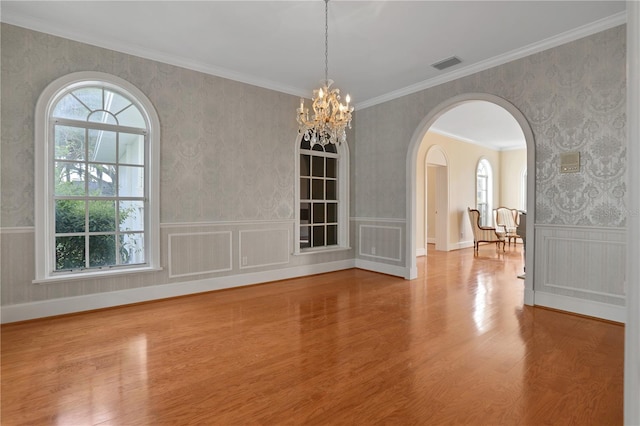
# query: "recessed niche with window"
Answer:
x=95 y=190
x=321 y=221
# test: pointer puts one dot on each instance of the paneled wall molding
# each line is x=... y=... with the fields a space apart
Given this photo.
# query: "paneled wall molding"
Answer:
x=264 y=247
x=378 y=219
x=17 y=230
x=222 y=223
x=585 y=265
x=380 y=242
x=199 y=253
x=68 y=305
x=580 y=227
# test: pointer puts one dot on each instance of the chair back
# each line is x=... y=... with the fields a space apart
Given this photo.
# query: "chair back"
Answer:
x=474 y=219
x=506 y=218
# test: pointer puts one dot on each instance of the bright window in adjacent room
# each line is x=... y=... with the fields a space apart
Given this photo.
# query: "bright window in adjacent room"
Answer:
x=322 y=197
x=483 y=192
x=523 y=199
x=96 y=181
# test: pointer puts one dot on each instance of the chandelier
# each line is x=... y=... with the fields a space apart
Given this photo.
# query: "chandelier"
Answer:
x=330 y=117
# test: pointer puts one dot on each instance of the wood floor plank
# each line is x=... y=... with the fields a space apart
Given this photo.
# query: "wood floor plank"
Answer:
x=454 y=346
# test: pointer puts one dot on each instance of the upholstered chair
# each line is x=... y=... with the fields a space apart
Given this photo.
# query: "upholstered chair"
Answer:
x=484 y=234
x=506 y=221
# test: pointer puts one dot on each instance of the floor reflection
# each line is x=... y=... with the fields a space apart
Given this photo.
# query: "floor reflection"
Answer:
x=100 y=389
x=454 y=346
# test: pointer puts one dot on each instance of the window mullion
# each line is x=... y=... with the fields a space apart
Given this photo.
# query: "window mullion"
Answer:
x=92 y=125
x=86 y=195
x=117 y=199
x=51 y=204
x=86 y=234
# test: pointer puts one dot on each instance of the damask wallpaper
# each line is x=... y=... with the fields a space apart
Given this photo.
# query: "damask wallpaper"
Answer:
x=574 y=99
x=227 y=147
x=572 y=95
x=227 y=153
x=227 y=159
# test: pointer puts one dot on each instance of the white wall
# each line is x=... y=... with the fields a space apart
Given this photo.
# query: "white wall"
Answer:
x=463 y=159
x=512 y=165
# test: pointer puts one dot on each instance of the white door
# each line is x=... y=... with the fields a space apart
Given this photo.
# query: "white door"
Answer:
x=442 y=208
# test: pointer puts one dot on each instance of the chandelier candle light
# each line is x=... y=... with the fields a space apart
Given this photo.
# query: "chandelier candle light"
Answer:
x=330 y=116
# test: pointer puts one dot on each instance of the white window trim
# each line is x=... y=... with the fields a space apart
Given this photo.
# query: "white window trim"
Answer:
x=343 y=202
x=43 y=147
x=489 y=167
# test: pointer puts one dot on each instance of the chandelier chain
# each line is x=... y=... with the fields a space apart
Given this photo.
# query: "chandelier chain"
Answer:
x=330 y=117
x=326 y=40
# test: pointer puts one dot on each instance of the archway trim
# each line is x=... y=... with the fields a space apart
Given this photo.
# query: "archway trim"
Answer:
x=412 y=158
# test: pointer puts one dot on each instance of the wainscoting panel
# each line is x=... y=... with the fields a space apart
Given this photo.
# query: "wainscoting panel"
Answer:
x=264 y=247
x=381 y=242
x=199 y=253
x=580 y=263
x=18 y=264
x=196 y=257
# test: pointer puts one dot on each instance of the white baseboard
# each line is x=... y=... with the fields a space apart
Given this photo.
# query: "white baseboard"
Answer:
x=67 y=305
x=460 y=245
x=450 y=247
x=529 y=297
x=581 y=306
x=383 y=268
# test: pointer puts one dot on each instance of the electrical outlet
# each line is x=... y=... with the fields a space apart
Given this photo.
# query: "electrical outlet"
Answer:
x=244 y=260
x=373 y=250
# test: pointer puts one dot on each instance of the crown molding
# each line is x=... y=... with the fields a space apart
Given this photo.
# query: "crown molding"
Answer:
x=135 y=50
x=566 y=37
x=154 y=55
x=511 y=147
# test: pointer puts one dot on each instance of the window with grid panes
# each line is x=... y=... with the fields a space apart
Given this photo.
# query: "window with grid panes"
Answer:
x=318 y=195
x=483 y=192
x=97 y=168
x=98 y=180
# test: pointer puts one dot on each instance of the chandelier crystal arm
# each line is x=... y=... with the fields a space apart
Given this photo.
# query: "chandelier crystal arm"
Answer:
x=330 y=117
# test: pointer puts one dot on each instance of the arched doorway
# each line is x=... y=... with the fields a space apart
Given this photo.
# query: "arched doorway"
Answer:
x=412 y=158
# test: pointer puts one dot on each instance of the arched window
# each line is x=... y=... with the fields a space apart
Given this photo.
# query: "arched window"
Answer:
x=322 y=196
x=96 y=185
x=484 y=185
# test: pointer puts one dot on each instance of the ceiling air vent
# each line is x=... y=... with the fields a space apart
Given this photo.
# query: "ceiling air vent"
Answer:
x=446 y=63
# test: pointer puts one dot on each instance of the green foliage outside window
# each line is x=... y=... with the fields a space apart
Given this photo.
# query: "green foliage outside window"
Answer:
x=70 y=218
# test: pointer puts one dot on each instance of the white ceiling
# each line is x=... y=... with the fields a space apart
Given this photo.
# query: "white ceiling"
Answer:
x=378 y=50
x=481 y=123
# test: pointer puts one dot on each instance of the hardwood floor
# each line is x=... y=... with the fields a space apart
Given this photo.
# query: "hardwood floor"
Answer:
x=454 y=346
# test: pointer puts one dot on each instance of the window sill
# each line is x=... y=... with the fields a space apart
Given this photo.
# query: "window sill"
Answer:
x=320 y=250
x=94 y=274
